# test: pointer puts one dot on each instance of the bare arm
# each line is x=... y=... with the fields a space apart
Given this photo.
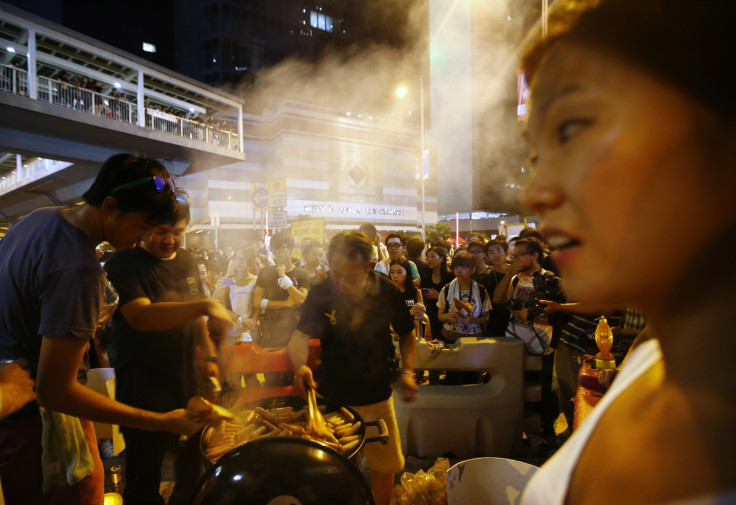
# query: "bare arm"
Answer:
x=406 y=381
x=258 y=293
x=298 y=349
x=143 y=315
x=57 y=389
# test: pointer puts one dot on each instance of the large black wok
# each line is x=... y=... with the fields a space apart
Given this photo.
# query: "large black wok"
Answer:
x=283 y=471
x=296 y=402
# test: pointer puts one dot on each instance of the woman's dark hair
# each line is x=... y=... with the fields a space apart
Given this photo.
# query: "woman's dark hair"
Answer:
x=282 y=238
x=120 y=169
x=463 y=259
x=682 y=42
x=351 y=244
x=442 y=253
x=409 y=280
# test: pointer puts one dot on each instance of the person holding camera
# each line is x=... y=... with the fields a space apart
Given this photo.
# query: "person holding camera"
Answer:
x=521 y=289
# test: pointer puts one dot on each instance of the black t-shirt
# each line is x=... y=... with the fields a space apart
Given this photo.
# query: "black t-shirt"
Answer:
x=154 y=369
x=431 y=303
x=499 y=315
x=357 y=351
x=268 y=280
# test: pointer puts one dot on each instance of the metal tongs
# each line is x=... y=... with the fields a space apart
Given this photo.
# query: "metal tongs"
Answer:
x=316 y=421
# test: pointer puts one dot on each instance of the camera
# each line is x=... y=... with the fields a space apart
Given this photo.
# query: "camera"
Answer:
x=542 y=291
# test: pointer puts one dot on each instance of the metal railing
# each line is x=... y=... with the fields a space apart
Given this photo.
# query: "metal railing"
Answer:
x=15 y=80
x=67 y=95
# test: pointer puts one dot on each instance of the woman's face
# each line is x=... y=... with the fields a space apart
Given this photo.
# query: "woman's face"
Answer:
x=433 y=259
x=398 y=275
x=625 y=166
x=240 y=261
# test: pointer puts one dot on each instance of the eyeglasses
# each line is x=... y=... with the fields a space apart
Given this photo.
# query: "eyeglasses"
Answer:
x=393 y=245
x=496 y=251
x=160 y=183
x=519 y=255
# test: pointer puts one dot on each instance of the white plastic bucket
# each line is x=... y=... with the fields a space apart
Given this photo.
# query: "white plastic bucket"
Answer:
x=490 y=481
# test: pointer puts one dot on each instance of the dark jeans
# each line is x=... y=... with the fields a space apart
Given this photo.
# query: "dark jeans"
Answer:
x=144 y=455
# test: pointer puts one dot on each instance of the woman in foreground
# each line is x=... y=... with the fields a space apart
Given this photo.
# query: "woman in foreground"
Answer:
x=632 y=128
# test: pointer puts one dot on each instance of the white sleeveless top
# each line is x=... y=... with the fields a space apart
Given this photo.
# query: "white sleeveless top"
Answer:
x=241 y=298
x=549 y=485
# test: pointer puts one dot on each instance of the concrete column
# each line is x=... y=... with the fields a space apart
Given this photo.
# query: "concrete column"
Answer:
x=32 y=76
x=141 y=109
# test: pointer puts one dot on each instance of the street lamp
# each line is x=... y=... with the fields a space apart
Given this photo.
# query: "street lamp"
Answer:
x=401 y=92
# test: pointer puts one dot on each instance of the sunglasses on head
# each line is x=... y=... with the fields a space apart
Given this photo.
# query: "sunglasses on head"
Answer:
x=160 y=183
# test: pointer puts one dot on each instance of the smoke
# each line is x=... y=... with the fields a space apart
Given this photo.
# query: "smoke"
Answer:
x=470 y=89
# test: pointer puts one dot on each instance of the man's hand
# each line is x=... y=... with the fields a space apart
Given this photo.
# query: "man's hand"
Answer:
x=281 y=270
x=303 y=375
x=408 y=386
x=515 y=267
x=17 y=388
x=183 y=422
x=219 y=320
x=550 y=306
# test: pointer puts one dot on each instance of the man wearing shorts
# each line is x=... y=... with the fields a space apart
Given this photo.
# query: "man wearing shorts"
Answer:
x=352 y=313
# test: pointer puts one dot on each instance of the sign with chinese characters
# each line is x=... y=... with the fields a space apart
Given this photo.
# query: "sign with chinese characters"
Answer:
x=277 y=219
x=277 y=193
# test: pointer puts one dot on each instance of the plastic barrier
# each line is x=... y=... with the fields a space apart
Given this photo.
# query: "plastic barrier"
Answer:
x=491 y=481
x=470 y=420
x=249 y=358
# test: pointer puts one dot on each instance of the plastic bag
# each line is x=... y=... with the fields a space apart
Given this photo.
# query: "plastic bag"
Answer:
x=424 y=488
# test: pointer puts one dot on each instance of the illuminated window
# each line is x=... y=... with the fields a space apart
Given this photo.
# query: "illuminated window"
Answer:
x=149 y=48
x=320 y=21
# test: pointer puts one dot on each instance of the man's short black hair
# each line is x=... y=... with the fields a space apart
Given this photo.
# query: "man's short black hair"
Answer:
x=533 y=245
x=351 y=244
x=497 y=242
x=529 y=232
x=282 y=238
x=368 y=229
x=120 y=169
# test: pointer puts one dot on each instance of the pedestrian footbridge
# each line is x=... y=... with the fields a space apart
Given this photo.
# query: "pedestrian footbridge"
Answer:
x=68 y=102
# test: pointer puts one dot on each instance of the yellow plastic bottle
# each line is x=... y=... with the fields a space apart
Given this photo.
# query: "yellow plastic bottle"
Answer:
x=604 y=340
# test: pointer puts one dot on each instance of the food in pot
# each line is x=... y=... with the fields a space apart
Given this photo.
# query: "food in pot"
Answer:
x=342 y=434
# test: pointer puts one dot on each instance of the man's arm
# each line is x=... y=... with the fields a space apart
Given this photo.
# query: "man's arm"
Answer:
x=296 y=295
x=406 y=381
x=298 y=349
x=264 y=303
x=57 y=389
x=143 y=315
